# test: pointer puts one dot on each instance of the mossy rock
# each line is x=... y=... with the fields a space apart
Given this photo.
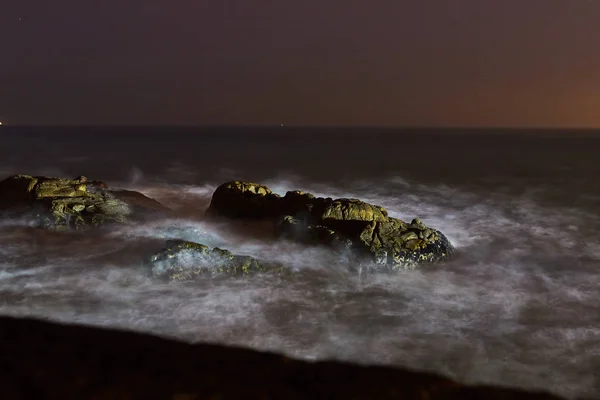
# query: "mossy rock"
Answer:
x=182 y=260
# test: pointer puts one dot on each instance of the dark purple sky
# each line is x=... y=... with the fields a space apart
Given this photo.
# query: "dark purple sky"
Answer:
x=310 y=62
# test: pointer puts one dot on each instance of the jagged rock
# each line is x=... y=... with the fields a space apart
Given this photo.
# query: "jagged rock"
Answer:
x=345 y=224
x=62 y=203
x=47 y=360
x=405 y=245
x=181 y=260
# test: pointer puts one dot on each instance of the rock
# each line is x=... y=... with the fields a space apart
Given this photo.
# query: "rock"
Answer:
x=48 y=360
x=242 y=200
x=181 y=260
x=404 y=246
x=345 y=224
x=63 y=204
x=352 y=210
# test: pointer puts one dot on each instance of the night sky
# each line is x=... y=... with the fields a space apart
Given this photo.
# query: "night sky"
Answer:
x=309 y=62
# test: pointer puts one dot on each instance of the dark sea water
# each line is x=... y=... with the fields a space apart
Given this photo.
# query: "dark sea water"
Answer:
x=519 y=307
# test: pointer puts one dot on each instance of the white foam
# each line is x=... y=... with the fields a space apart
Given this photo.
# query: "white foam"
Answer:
x=518 y=307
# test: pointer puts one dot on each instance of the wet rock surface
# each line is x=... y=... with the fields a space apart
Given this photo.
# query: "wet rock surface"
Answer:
x=351 y=226
x=46 y=360
x=182 y=260
x=65 y=204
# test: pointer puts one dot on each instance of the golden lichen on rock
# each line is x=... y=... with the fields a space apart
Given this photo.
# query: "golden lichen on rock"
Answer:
x=59 y=187
x=353 y=210
x=249 y=187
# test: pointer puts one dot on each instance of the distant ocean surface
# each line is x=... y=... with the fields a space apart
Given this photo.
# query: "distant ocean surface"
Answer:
x=519 y=307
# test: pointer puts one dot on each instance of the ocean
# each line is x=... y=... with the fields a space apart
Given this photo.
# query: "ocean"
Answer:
x=519 y=306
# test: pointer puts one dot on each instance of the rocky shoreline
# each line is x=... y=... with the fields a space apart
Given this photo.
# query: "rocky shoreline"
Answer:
x=47 y=360
x=361 y=233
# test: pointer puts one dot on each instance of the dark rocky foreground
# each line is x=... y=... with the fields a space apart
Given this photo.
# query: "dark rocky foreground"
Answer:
x=44 y=360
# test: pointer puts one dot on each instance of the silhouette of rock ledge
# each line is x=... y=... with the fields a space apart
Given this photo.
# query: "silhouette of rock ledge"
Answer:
x=46 y=360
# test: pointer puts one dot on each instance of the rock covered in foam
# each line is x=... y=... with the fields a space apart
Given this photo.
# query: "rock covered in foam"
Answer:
x=182 y=260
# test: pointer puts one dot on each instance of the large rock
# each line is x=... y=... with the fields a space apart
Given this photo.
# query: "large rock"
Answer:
x=181 y=260
x=349 y=225
x=46 y=360
x=242 y=200
x=62 y=203
x=395 y=243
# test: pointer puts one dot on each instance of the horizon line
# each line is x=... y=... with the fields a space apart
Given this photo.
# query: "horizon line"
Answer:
x=301 y=126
